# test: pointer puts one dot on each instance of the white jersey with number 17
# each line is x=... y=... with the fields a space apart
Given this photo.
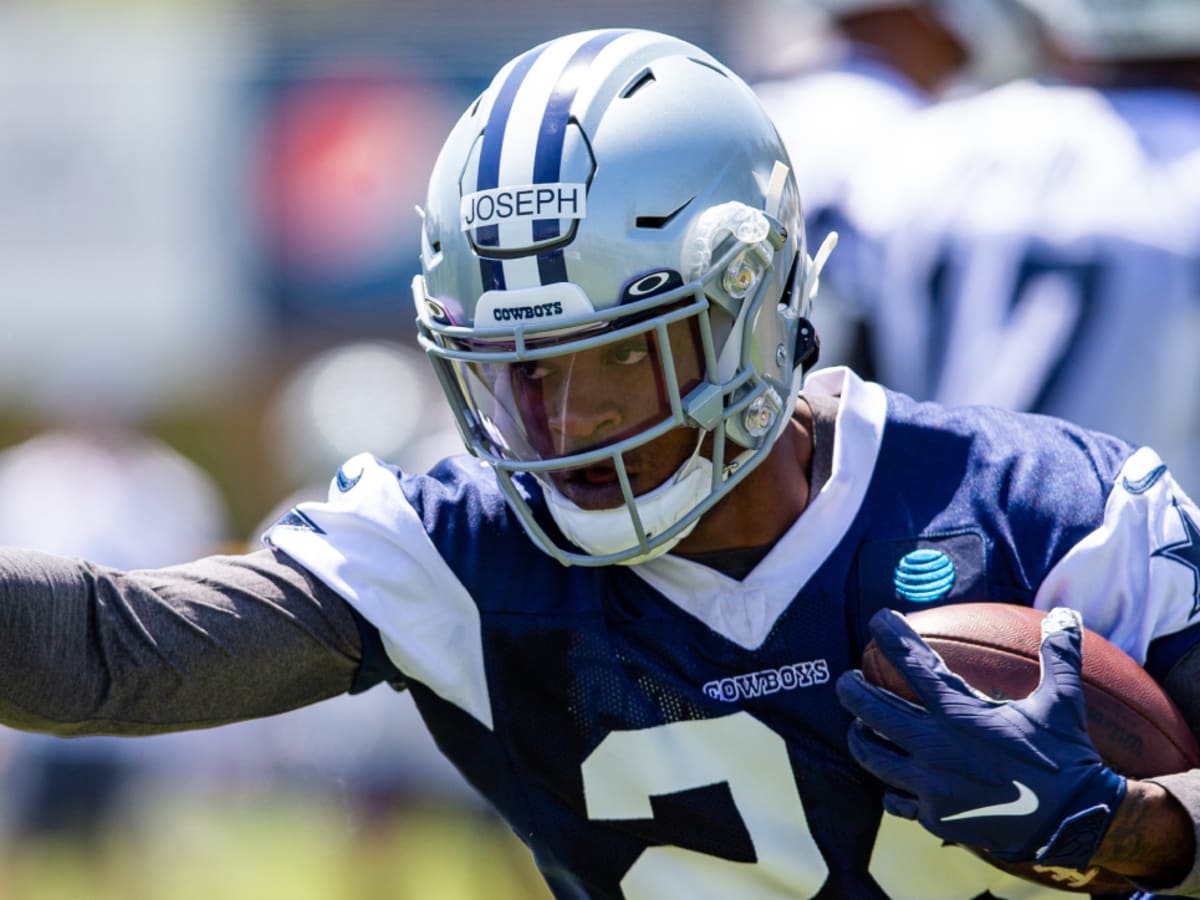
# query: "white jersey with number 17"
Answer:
x=1037 y=247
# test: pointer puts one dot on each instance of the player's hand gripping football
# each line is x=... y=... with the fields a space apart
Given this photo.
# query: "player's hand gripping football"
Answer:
x=1020 y=779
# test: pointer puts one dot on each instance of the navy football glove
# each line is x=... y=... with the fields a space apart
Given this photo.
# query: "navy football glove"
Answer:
x=1020 y=779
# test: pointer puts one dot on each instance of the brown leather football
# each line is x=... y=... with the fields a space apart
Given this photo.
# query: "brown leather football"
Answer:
x=1135 y=726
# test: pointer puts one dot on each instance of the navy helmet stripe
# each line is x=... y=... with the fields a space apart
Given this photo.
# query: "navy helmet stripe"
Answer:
x=493 y=139
x=548 y=151
x=547 y=162
x=491 y=271
x=552 y=267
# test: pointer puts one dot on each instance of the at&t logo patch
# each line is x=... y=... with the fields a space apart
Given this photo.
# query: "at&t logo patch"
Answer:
x=924 y=575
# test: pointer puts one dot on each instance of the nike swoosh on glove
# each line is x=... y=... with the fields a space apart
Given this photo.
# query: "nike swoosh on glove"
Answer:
x=1020 y=779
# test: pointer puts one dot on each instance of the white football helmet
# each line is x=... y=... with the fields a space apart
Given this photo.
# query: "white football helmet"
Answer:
x=1121 y=29
x=613 y=252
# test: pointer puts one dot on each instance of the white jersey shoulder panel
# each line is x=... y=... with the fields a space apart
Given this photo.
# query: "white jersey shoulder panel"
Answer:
x=1136 y=577
x=367 y=543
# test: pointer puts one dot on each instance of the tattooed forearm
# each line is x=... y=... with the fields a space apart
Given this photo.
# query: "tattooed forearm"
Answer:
x=1150 y=838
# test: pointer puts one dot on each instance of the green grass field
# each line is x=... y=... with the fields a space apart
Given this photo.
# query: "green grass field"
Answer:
x=246 y=847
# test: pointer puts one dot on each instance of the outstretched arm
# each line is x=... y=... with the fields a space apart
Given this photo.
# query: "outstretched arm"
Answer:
x=90 y=650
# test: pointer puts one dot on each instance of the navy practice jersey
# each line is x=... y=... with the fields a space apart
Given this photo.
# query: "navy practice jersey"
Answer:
x=663 y=730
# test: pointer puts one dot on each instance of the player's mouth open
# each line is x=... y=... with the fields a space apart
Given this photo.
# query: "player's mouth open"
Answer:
x=593 y=487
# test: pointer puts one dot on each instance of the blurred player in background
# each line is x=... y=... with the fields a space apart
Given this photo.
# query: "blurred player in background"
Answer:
x=632 y=616
x=856 y=70
x=1038 y=246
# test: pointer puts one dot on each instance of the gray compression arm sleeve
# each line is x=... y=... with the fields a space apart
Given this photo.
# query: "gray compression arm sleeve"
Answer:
x=90 y=650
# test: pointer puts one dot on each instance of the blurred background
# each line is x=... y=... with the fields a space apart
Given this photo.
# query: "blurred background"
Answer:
x=207 y=235
x=196 y=199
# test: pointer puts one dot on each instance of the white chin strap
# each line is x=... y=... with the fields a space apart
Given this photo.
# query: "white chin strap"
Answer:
x=604 y=531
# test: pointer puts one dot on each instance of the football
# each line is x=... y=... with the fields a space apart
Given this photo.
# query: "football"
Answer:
x=1134 y=725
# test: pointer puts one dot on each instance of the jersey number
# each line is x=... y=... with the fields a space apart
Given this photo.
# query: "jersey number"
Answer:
x=1007 y=344
x=738 y=750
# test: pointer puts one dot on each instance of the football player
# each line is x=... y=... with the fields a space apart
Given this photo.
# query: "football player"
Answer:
x=1037 y=246
x=845 y=86
x=632 y=614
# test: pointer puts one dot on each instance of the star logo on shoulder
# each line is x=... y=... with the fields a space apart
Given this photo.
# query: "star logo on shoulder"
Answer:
x=1186 y=553
x=345 y=482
